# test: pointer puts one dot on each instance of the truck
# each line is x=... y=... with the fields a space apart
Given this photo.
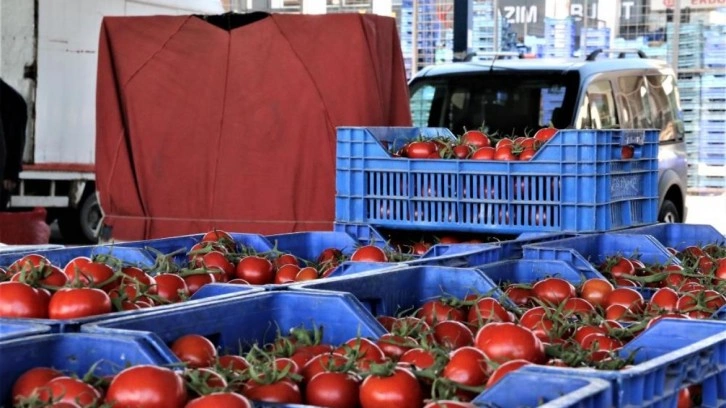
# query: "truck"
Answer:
x=48 y=53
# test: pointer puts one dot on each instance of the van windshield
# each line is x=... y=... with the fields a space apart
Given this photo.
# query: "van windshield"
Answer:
x=508 y=103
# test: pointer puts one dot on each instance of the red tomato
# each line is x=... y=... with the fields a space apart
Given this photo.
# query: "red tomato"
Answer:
x=369 y=253
x=468 y=366
x=620 y=267
x=255 y=270
x=220 y=399
x=67 y=389
x=505 y=369
x=583 y=331
x=330 y=255
x=484 y=153
x=400 y=390
x=461 y=151
x=536 y=320
x=576 y=305
x=420 y=149
x=452 y=335
x=172 y=288
x=321 y=363
x=684 y=399
x=393 y=346
x=596 y=291
x=553 y=290
x=502 y=342
x=527 y=154
x=475 y=138
x=504 y=153
x=194 y=350
x=629 y=298
x=487 y=310
x=18 y=300
x=285 y=259
x=307 y=273
x=222 y=237
x=720 y=272
x=303 y=354
x=197 y=280
x=419 y=358
x=504 y=142
x=148 y=387
x=518 y=295
x=211 y=379
x=334 y=390
x=545 y=134
x=363 y=349
x=28 y=263
x=601 y=345
x=435 y=311
x=233 y=362
x=626 y=152
x=286 y=274
x=94 y=274
x=31 y=380
x=663 y=300
x=217 y=261
x=136 y=277
x=280 y=392
x=73 y=303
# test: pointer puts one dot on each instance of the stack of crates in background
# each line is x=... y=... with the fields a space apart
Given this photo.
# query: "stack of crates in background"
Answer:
x=551 y=99
x=428 y=33
x=483 y=25
x=690 y=44
x=714 y=55
x=559 y=37
x=689 y=86
x=595 y=38
x=712 y=135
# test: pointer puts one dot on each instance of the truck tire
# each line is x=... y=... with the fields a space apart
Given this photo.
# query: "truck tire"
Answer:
x=80 y=225
x=669 y=213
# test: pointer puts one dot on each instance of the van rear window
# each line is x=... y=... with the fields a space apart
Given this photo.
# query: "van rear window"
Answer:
x=512 y=103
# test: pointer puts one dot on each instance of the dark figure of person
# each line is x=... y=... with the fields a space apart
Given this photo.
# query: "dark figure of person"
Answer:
x=13 y=120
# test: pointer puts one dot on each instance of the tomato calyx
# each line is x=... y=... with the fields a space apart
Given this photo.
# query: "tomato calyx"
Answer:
x=264 y=371
x=203 y=381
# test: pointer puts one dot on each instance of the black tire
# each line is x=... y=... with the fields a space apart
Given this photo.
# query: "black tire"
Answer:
x=669 y=213
x=80 y=225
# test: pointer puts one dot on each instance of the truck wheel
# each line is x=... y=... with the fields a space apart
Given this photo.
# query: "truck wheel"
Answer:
x=669 y=213
x=82 y=224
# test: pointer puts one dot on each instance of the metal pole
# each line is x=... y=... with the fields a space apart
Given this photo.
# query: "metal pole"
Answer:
x=676 y=30
x=583 y=30
x=414 y=39
x=462 y=26
x=497 y=41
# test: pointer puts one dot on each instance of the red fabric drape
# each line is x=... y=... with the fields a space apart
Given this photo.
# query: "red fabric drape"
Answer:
x=200 y=127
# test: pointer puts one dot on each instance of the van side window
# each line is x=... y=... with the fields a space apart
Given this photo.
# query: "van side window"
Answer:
x=598 y=108
x=635 y=103
x=426 y=103
x=663 y=97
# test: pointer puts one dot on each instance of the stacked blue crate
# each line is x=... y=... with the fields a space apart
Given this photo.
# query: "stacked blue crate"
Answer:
x=712 y=138
x=714 y=46
x=690 y=44
x=595 y=38
x=483 y=27
x=559 y=37
x=427 y=33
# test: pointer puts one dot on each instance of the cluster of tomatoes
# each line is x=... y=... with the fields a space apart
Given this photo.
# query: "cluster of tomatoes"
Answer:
x=476 y=145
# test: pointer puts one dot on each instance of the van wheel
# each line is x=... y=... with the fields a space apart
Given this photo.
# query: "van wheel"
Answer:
x=82 y=224
x=669 y=213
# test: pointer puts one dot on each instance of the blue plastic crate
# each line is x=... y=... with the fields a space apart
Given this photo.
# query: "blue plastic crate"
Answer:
x=459 y=255
x=671 y=354
x=11 y=329
x=60 y=257
x=203 y=295
x=585 y=250
x=574 y=183
x=243 y=321
x=532 y=270
x=551 y=391
x=680 y=236
x=74 y=353
x=391 y=292
x=183 y=244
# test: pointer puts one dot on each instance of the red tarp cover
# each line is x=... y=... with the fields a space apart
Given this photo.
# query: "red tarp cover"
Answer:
x=199 y=127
